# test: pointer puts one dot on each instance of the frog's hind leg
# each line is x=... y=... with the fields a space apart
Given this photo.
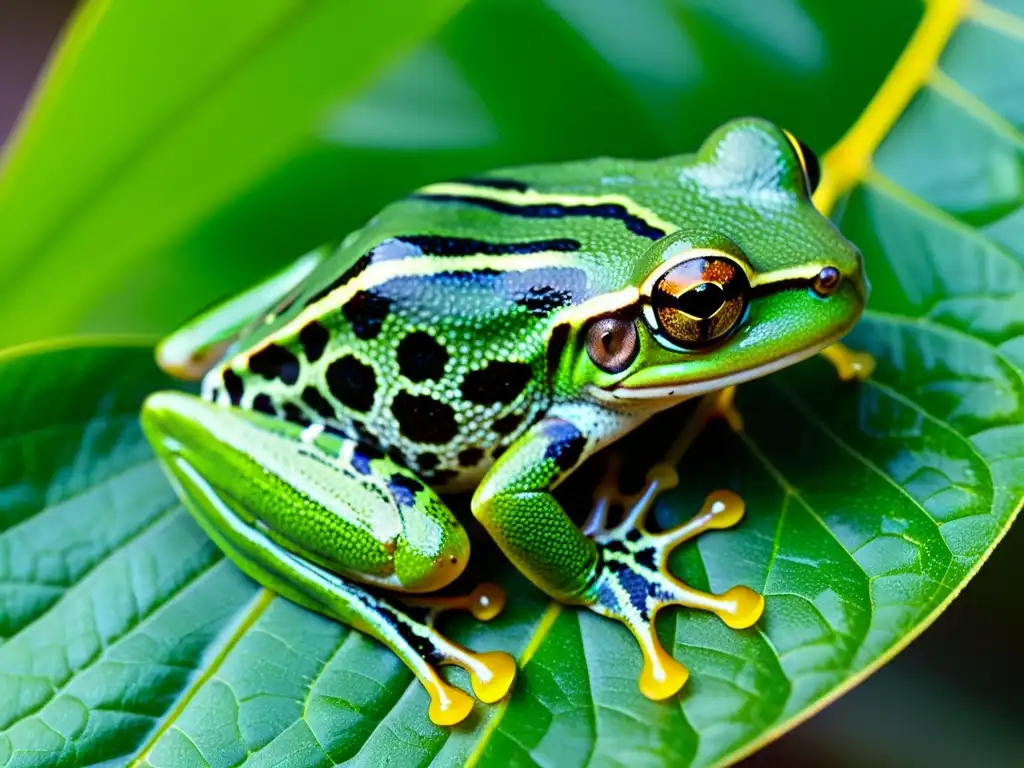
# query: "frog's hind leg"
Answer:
x=849 y=364
x=195 y=347
x=634 y=583
x=411 y=637
x=296 y=508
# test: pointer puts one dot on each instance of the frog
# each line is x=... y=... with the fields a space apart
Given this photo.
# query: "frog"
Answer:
x=487 y=336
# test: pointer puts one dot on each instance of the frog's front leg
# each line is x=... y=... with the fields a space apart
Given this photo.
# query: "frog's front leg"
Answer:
x=302 y=512
x=620 y=572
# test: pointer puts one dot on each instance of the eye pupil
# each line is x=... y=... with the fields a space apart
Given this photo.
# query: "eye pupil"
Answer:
x=702 y=300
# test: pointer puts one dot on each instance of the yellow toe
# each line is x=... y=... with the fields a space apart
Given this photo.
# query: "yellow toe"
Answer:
x=449 y=706
x=501 y=673
x=662 y=677
x=742 y=607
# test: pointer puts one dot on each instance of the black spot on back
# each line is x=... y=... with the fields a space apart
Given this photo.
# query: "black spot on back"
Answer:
x=427 y=461
x=542 y=300
x=313 y=338
x=470 y=457
x=352 y=382
x=421 y=357
x=423 y=419
x=366 y=311
x=566 y=445
x=311 y=396
x=275 y=362
x=498 y=382
x=264 y=404
x=234 y=386
x=348 y=275
x=507 y=424
x=294 y=414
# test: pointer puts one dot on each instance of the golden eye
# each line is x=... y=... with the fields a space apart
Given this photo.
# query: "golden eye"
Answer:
x=700 y=300
x=612 y=343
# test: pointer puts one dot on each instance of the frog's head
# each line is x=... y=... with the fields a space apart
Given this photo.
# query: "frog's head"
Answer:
x=763 y=281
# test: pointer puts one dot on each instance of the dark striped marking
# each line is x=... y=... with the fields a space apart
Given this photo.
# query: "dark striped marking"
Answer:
x=438 y=245
x=494 y=183
x=347 y=276
x=557 y=211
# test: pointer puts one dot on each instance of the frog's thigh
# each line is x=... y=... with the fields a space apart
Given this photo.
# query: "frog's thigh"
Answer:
x=191 y=351
x=314 y=494
x=279 y=504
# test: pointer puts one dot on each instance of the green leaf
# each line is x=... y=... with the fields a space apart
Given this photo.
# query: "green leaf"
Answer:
x=869 y=508
x=184 y=150
x=161 y=115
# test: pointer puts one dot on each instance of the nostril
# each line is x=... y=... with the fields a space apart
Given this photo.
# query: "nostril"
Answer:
x=827 y=281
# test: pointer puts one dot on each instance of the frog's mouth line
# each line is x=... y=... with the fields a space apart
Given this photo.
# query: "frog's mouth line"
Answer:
x=679 y=392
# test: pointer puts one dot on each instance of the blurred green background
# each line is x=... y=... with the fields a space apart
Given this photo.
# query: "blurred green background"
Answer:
x=501 y=82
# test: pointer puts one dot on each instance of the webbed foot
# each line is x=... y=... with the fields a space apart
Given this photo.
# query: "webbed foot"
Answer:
x=634 y=583
x=491 y=674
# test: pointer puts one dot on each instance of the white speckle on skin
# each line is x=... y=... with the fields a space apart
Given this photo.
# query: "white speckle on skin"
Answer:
x=311 y=433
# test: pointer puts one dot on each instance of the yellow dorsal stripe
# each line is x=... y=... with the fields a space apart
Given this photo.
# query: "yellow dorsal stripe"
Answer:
x=533 y=197
x=412 y=266
x=847 y=162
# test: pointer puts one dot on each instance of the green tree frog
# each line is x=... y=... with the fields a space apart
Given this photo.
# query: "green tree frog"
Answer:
x=490 y=334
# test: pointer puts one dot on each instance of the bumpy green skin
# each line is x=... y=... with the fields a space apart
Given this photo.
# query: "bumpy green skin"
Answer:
x=449 y=334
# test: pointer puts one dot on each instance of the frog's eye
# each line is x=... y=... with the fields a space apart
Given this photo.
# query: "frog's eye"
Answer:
x=612 y=343
x=700 y=300
x=808 y=162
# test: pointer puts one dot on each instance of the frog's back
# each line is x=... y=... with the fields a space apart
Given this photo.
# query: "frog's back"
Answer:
x=429 y=331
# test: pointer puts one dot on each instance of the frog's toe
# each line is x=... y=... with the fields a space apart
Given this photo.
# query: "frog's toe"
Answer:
x=448 y=705
x=491 y=674
x=425 y=649
x=485 y=602
x=634 y=583
x=849 y=364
